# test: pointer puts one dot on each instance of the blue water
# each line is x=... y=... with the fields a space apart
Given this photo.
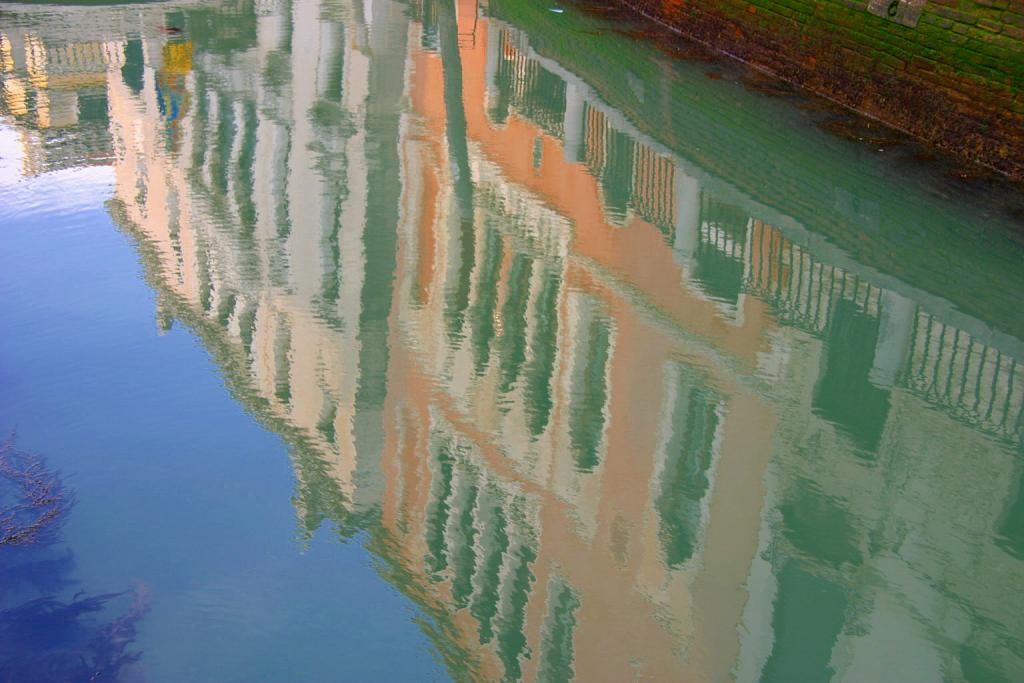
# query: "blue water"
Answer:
x=402 y=341
x=177 y=486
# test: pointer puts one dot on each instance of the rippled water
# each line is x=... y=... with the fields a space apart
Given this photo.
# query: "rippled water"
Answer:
x=386 y=340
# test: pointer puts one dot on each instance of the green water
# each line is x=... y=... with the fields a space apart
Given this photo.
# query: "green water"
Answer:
x=430 y=340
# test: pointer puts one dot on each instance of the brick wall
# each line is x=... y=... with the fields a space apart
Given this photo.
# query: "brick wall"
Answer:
x=955 y=79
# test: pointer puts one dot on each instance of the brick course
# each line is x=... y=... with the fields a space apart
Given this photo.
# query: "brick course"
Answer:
x=955 y=80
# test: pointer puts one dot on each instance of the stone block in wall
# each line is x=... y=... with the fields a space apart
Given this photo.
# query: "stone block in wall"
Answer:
x=906 y=12
x=994 y=4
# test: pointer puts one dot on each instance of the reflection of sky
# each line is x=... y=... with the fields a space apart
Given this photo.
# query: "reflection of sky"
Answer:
x=65 y=191
x=177 y=486
x=180 y=488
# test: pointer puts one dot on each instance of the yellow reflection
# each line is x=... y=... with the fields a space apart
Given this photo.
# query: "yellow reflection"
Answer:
x=6 y=54
x=14 y=96
x=177 y=58
x=577 y=391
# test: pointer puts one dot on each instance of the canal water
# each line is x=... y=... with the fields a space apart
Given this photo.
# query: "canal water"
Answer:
x=404 y=340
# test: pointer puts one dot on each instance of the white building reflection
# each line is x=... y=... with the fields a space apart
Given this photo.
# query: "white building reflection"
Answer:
x=616 y=421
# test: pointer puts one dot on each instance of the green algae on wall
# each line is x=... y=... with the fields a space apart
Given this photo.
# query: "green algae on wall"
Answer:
x=954 y=79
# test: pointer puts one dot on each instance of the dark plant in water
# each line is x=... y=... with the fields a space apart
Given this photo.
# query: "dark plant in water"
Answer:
x=33 y=500
x=44 y=638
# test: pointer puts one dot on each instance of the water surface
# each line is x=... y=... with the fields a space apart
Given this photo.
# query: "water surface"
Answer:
x=388 y=340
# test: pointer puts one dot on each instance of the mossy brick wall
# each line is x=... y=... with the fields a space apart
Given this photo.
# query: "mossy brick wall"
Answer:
x=955 y=80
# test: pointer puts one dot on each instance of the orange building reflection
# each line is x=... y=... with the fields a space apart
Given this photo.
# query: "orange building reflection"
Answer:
x=594 y=412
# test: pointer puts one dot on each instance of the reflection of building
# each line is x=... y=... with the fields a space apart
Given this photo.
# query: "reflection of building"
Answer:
x=283 y=158
x=728 y=266
x=57 y=93
x=171 y=88
x=597 y=412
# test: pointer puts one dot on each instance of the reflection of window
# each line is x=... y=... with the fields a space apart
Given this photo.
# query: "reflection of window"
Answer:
x=544 y=347
x=1011 y=524
x=692 y=421
x=977 y=664
x=719 y=261
x=617 y=176
x=513 y=316
x=282 y=361
x=247 y=326
x=220 y=163
x=462 y=532
x=442 y=464
x=556 y=650
x=609 y=156
x=589 y=388
x=498 y=106
x=536 y=94
x=844 y=395
x=819 y=526
x=425 y=12
x=93 y=107
x=226 y=308
x=205 y=282
x=809 y=614
x=480 y=539
x=133 y=71
x=245 y=190
x=457 y=292
x=494 y=543
x=328 y=415
x=517 y=582
x=810 y=609
x=653 y=190
x=486 y=299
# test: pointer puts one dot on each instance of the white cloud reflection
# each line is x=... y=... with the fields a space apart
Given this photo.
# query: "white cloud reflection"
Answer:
x=64 y=191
